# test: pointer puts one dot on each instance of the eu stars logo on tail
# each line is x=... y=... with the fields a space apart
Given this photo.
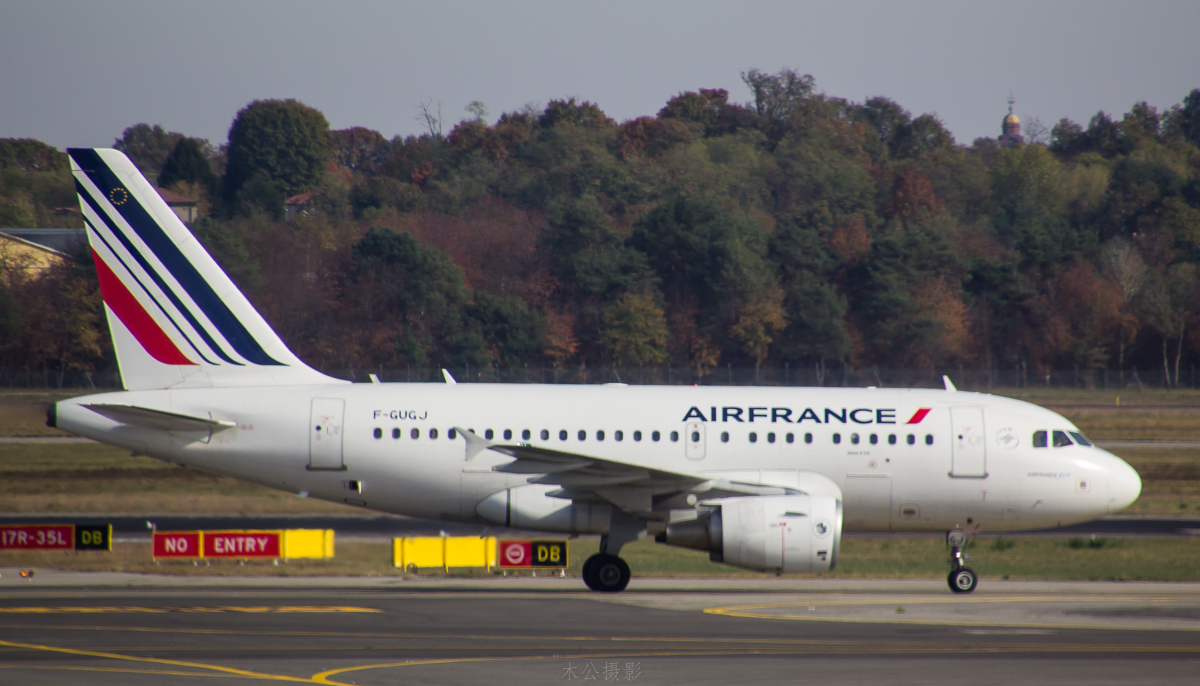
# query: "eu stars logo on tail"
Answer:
x=177 y=320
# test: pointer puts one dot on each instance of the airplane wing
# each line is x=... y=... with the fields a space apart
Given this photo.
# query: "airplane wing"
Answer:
x=639 y=489
x=158 y=419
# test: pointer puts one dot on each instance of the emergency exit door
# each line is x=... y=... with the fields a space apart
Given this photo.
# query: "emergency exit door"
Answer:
x=325 y=434
x=968 y=443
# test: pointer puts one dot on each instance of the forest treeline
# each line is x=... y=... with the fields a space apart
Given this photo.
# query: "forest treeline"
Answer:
x=795 y=228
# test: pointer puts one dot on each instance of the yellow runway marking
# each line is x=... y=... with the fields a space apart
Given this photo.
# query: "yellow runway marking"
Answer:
x=747 y=611
x=154 y=660
x=119 y=671
x=818 y=648
x=127 y=609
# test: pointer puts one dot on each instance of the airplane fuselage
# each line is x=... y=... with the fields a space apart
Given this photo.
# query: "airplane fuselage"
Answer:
x=904 y=459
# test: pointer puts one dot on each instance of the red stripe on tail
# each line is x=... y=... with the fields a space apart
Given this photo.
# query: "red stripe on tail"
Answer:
x=919 y=415
x=135 y=318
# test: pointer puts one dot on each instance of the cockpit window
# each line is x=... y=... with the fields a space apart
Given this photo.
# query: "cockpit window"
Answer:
x=1039 y=439
x=1080 y=439
x=1061 y=440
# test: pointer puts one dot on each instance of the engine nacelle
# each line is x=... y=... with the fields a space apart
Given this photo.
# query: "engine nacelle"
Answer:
x=528 y=507
x=788 y=533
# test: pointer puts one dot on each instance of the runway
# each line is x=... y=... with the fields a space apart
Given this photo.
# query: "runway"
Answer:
x=529 y=631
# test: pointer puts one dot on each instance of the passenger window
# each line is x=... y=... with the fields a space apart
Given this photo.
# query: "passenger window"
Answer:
x=874 y=439
x=562 y=434
x=837 y=438
x=508 y=434
x=655 y=436
x=791 y=438
x=753 y=437
x=928 y=439
x=770 y=438
x=1039 y=439
x=433 y=434
x=488 y=434
x=525 y=435
x=695 y=437
x=854 y=439
x=378 y=433
x=582 y=435
x=545 y=435
x=599 y=435
x=891 y=439
x=808 y=438
x=637 y=435
x=912 y=440
x=416 y=433
x=724 y=436
x=396 y=433
x=1061 y=440
x=1080 y=439
x=451 y=434
x=674 y=436
x=618 y=435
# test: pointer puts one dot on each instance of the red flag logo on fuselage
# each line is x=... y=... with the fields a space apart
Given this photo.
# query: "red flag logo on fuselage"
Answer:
x=919 y=415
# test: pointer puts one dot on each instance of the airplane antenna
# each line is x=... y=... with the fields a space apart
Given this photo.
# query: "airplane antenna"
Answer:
x=449 y=379
x=949 y=384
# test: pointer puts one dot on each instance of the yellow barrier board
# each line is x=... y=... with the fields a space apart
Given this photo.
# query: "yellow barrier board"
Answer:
x=430 y=552
x=307 y=543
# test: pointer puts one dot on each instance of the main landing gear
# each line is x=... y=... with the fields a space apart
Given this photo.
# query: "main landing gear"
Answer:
x=962 y=579
x=604 y=571
x=607 y=573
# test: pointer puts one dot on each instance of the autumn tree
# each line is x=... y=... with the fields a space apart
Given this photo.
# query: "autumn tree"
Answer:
x=634 y=332
x=148 y=147
x=283 y=142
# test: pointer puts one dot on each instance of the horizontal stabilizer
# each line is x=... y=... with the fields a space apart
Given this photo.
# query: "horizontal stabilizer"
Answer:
x=157 y=419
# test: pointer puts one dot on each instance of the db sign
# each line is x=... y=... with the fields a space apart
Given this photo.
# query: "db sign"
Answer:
x=532 y=553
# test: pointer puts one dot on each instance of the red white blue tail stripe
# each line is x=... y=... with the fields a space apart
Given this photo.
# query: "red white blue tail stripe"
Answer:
x=165 y=294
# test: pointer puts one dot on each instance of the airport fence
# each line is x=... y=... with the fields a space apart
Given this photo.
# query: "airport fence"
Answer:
x=786 y=375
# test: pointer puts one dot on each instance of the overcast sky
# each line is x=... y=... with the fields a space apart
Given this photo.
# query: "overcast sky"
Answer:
x=78 y=73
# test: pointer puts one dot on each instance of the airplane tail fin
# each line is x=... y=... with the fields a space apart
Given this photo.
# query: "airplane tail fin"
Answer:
x=177 y=320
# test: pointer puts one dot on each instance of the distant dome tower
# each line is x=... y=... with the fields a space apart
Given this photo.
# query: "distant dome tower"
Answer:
x=1010 y=135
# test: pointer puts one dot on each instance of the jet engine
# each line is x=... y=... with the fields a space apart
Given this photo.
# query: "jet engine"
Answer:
x=789 y=533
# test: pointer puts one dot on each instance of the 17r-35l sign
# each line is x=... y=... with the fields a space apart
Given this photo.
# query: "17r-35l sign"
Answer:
x=532 y=553
x=56 y=537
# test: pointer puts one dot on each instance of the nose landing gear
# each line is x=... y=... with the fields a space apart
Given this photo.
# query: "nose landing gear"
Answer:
x=962 y=579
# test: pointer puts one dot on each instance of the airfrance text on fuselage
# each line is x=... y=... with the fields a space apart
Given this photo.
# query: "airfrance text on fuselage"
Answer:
x=862 y=415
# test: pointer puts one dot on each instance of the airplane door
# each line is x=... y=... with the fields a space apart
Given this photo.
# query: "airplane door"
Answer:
x=693 y=436
x=868 y=502
x=325 y=434
x=968 y=444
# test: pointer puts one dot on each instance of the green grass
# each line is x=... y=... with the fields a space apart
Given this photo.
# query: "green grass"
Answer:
x=90 y=477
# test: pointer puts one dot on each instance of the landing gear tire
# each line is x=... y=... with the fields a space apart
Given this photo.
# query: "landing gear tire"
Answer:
x=606 y=573
x=962 y=580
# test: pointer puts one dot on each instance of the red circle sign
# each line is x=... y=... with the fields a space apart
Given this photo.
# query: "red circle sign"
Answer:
x=514 y=554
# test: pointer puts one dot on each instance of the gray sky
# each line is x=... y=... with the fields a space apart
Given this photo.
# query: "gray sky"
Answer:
x=78 y=73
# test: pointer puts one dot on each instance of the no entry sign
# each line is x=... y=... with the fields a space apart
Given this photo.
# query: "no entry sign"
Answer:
x=242 y=544
x=180 y=544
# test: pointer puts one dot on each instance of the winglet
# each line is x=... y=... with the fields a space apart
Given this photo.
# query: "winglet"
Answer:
x=475 y=444
x=449 y=379
x=949 y=384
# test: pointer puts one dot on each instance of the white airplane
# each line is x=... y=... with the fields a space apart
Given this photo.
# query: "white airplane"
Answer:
x=763 y=478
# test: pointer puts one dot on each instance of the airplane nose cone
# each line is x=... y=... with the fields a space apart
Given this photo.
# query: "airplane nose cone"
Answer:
x=1124 y=486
